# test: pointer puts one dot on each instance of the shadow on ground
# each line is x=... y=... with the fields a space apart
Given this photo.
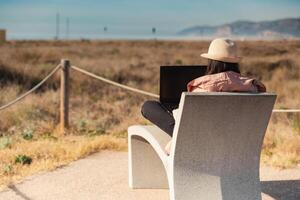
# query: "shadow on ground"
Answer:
x=18 y=192
x=282 y=190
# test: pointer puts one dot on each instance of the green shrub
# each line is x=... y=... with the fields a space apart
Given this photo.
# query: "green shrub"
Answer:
x=96 y=132
x=7 y=169
x=5 y=142
x=115 y=51
x=120 y=134
x=178 y=62
x=23 y=159
x=48 y=135
x=27 y=134
x=82 y=126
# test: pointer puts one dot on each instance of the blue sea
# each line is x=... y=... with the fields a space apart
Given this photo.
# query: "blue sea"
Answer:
x=48 y=34
x=37 y=36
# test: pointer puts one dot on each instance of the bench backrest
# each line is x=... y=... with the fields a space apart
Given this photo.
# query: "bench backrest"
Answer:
x=220 y=134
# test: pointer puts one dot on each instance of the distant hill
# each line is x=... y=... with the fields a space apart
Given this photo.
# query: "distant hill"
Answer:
x=283 y=28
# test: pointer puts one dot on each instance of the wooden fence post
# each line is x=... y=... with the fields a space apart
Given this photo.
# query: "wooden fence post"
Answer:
x=64 y=95
x=2 y=36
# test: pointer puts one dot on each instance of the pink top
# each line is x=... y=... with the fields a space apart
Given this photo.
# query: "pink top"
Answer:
x=225 y=82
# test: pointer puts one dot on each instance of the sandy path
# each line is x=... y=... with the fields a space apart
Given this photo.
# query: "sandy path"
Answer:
x=103 y=176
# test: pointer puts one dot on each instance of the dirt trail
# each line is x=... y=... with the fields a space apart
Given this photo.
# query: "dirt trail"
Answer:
x=104 y=176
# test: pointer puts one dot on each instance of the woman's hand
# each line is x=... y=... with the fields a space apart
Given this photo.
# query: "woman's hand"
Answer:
x=168 y=147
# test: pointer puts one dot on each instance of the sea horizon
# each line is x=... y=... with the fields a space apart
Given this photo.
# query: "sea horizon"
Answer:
x=95 y=37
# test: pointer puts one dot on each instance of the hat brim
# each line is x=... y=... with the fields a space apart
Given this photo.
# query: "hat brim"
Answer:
x=221 y=58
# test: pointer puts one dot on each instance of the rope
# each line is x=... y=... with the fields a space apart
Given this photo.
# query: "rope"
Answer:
x=154 y=95
x=114 y=83
x=109 y=82
x=286 y=110
x=31 y=90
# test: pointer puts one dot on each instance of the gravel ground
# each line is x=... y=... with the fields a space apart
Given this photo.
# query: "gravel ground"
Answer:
x=103 y=176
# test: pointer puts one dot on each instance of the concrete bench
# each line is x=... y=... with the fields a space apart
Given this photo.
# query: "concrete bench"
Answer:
x=215 y=152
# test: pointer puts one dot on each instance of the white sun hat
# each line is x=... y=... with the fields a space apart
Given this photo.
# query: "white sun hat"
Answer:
x=222 y=49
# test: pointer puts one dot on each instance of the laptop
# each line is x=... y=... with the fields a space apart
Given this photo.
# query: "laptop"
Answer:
x=174 y=80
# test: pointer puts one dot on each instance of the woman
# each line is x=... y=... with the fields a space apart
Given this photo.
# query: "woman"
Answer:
x=222 y=75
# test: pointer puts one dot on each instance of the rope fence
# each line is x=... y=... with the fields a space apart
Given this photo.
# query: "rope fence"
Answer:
x=64 y=66
x=31 y=90
x=149 y=93
x=286 y=110
x=114 y=83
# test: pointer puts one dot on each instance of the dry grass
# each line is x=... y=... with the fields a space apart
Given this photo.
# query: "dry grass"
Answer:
x=281 y=146
x=97 y=108
x=50 y=153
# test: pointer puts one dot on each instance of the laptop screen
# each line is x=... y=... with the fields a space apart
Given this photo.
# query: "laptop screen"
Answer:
x=174 y=80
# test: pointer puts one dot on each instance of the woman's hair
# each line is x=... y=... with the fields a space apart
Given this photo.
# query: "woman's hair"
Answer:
x=215 y=66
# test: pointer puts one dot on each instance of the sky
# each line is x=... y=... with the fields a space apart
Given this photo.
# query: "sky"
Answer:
x=33 y=19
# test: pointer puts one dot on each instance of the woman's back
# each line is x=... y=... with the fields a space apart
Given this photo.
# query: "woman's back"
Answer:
x=228 y=81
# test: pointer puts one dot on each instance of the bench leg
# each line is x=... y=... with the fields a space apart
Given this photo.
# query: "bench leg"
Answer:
x=146 y=169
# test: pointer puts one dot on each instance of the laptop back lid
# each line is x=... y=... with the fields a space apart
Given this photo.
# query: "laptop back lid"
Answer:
x=174 y=80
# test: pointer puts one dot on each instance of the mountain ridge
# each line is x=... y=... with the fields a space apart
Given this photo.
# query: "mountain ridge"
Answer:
x=281 y=28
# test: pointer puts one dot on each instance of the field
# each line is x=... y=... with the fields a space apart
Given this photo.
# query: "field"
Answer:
x=100 y=113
